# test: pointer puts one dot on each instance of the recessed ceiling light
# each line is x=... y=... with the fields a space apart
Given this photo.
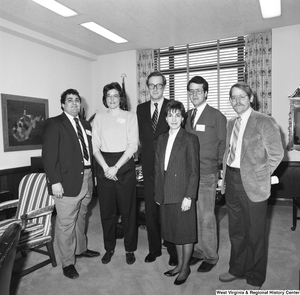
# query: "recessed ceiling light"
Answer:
x=56 y=7
x=270 y=8
x=103 y=32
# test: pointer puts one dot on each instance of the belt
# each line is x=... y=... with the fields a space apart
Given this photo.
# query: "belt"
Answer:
x=88 y=167
x=233 y=169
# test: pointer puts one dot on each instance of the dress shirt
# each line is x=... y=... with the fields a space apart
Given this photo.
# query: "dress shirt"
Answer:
x=169 y=147
x=71 y=118
x=159 y=105
x=237 y=160
x=199 y=112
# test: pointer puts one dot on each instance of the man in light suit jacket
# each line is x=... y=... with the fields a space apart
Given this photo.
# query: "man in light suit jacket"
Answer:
x=253 y=151
x=156 y=83
x=209 y=125
x=67 y=157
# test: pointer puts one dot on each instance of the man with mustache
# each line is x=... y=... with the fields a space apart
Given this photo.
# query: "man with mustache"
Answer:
x=253 y=152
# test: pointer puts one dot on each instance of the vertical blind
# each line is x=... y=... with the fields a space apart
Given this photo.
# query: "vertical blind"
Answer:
x=220 y=62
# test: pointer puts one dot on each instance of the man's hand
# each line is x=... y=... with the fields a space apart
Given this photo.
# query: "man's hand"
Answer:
x=57 y=190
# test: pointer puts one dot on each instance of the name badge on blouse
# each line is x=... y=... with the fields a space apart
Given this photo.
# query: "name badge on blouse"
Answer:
x=121 y=120
x=88 y=132
x=200 y=127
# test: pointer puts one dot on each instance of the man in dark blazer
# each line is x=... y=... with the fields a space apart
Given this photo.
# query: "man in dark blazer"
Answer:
x=209 y=124
x=156 y=83
x=253 y=151
x=67 y=153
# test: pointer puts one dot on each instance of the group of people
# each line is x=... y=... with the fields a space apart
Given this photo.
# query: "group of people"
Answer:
x=183 y=155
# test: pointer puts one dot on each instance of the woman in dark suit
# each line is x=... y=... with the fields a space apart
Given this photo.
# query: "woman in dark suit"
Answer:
x=176 y=183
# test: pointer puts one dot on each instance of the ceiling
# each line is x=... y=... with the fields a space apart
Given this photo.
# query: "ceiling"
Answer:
x=147 y=23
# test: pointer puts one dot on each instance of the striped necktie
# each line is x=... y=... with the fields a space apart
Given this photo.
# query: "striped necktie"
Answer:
x=80 y=136
x=154 y=118
x=235 y=135
x=193 y=116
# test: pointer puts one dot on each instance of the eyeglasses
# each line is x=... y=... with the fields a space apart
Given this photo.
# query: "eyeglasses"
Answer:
x=157 y=86
x=195 y=91
x=113 y=96
x=236 y=97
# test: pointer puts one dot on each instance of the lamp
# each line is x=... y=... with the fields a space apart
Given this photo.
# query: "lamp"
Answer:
x=270 y=8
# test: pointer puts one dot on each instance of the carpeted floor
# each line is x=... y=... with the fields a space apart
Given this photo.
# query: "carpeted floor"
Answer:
x=147 y=278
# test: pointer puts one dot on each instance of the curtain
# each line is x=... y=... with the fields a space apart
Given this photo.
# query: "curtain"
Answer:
x=145 y=65
x=258 y=58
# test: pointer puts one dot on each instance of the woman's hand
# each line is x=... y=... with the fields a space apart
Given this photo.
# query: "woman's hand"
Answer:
x=111 y=173
x=186 y=204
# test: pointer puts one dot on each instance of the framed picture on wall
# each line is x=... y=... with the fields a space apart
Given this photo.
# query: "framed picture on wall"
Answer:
x=23 y=120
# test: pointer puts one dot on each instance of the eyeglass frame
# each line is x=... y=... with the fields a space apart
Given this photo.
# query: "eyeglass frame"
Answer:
x=198 y=91
x=113 y=96
x=235 y=97
x=158 y=86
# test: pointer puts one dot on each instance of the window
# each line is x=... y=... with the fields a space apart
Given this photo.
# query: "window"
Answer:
x=220 y=62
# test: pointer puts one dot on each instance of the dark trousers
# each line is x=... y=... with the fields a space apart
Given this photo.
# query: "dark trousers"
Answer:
x=153 y=220
x=118 y=194
x=247 y=232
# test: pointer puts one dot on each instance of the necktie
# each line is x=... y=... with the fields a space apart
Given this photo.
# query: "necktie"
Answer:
x=154 y=118
x=193 y=116
x=235 y=135
x=80 y=136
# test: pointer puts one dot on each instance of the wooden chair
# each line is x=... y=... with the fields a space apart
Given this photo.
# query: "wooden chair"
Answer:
x=296 y=206
x=34 y=211
x=8 y=248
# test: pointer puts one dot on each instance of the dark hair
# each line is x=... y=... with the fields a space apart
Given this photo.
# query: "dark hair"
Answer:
x=116 y=86
x=65 y=93
x=156 y=74
x=175 y=105
x=243 y=86
x=198 y=80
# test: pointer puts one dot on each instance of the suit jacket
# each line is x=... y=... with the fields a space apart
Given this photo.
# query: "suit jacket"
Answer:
x=148 y=139
x=62 y=155
x=212 y=137
x=182 y=176
x=261 y=153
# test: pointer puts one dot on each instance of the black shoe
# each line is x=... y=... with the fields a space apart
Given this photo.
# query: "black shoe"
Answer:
x=180 y=282
x=170 y=273
x=205 y=267
x=195 y=260
x=130 y=258
x=70 y=272
x=173 y=261
x=107 y=257
x=88 y=253
x=151 y=257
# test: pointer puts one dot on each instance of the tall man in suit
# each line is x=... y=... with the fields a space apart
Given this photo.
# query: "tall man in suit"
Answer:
x=209 y=124
x=152 y=123
x=253 y=151
x=67 y=152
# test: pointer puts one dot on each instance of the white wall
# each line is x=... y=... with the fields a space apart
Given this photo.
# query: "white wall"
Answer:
x=285 y=77
x=34 y=70
x=109 y=68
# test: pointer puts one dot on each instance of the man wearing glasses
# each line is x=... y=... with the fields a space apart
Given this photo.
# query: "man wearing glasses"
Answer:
x=152 y=123
x=209 y=124
x=253 y=152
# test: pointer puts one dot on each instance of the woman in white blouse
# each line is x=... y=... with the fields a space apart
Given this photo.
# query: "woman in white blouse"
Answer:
x=176 y=183
x=115 y=140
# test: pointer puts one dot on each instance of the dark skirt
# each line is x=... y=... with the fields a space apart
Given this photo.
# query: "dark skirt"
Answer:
x=178 y=227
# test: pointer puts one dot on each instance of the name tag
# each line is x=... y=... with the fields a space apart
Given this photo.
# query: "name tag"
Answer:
x=121 y=120
x=200 y=127
x=88 y=132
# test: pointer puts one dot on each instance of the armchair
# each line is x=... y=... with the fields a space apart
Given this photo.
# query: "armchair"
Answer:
x=8 y=247
x=34 y=212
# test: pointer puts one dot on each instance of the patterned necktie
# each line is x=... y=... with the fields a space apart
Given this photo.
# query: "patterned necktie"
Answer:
x=235 y=135
x=154 y=118
x=193 y=116
x=80 y=136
